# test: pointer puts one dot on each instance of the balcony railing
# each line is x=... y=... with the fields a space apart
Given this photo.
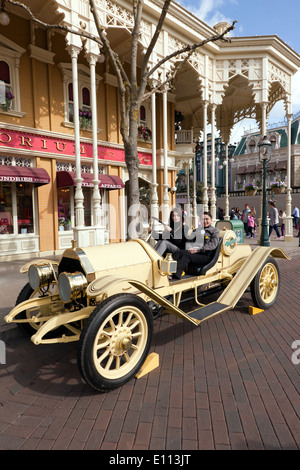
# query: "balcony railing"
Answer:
x=184 y=136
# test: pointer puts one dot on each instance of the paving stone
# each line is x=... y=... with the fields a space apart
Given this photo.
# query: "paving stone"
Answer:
x=228 y=384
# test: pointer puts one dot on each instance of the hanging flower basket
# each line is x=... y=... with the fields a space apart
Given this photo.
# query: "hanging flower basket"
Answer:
x=85 y=119
x=8 y=101
x=144 y=133
x=278 y=187
x=251 y=189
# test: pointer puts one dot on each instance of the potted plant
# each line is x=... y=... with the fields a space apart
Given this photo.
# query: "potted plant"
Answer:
x=85 y=119
x=144 y=133
x=61 y=224
x=278 y=187
x=8 y=101
x=250 y=189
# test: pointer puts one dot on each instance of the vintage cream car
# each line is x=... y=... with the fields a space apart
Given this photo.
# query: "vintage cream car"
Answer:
x=106 y=298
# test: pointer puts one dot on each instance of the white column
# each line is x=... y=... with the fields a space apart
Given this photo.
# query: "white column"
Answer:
x=79 y=209
x=263 y=131
x=288 y=208
x=213 y=199
x=195 y=220
x=227 y=216
x=154 y=196
x=165 y=144
x=205 y=197
x=96 y=195
x=96 y=200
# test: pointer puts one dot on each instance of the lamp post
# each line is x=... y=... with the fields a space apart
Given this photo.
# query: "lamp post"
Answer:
x=265 y=151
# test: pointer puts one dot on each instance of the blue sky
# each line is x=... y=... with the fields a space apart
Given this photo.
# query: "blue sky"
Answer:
x=256 y=17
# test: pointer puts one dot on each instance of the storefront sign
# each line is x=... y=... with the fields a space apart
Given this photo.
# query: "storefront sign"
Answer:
x=53 y=145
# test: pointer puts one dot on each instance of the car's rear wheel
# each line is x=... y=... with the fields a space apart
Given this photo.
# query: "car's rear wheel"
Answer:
x=265 y=285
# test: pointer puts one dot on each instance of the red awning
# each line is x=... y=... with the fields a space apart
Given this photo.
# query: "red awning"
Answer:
x=21 y=174
x=65 y=179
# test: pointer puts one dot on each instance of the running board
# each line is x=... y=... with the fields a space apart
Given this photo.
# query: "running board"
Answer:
x=208 y=311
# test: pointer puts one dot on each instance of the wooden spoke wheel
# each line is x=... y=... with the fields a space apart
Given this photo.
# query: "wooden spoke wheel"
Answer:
x=115 y=341
x=265 y=285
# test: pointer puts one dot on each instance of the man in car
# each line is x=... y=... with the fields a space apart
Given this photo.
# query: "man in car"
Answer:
x=198 y=256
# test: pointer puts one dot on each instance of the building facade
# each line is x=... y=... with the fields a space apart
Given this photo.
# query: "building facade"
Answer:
x=60 y=117
x=247 y=169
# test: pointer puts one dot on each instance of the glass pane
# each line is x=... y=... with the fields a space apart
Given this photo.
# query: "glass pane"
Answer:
x=6 y=216
x=86 y=97
x=71 y=112
x=24 y=207
x=64 y=212
x=87 y=194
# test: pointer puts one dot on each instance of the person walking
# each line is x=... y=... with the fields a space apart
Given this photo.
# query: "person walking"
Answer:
x=274 y=219
x=251 y=225
x=295 y=214
x=246 y=212
x=282 y=216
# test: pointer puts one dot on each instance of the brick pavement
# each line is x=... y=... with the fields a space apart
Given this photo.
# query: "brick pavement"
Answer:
x=228 y=384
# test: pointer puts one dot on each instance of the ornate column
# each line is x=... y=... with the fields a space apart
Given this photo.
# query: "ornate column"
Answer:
x=79 y=209
x=195 y=220
x=96 y=200
x=288 y=208
x=227 y=216
x=205 y=197
x=165 y=150
x=213 y=199
x=154 y=195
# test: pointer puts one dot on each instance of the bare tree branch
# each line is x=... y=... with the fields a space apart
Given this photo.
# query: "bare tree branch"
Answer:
x=152 y=45
x=192 y=48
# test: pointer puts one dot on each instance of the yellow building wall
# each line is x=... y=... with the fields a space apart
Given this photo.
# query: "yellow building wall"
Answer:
x=47 y=207
x=42 y=102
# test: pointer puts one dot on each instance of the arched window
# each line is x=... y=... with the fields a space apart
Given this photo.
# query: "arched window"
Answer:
x=6 y=95
x=273 y=141
x=143 y=119
x=252 y=146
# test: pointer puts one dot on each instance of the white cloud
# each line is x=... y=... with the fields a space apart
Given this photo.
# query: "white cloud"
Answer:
x=208 y=10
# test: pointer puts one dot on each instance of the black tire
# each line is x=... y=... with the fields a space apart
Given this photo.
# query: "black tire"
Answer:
x=25 y=328
x=265 y=285
x=110 y=353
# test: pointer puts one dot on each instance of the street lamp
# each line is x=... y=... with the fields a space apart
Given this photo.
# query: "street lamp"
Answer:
x=265 y=151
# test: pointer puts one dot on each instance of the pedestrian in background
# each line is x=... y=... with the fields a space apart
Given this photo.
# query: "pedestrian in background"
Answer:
x=274 y=219
x=246 y=211
x=282 y=216
x=251 y=225
x=295 y=214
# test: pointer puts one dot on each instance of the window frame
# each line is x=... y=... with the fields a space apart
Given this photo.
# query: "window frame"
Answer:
x=11 y=54
x=84 y=81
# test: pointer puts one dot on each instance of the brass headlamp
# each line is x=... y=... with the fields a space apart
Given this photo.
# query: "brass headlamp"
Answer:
x=70 y=286
x=40 y=276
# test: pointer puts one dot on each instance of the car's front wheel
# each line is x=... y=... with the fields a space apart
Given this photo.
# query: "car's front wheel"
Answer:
x=115 y=341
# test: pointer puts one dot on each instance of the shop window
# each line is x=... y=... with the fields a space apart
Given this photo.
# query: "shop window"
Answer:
x=64 y=208
x=6 y=209
x=24 y=207
x=87 y=203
